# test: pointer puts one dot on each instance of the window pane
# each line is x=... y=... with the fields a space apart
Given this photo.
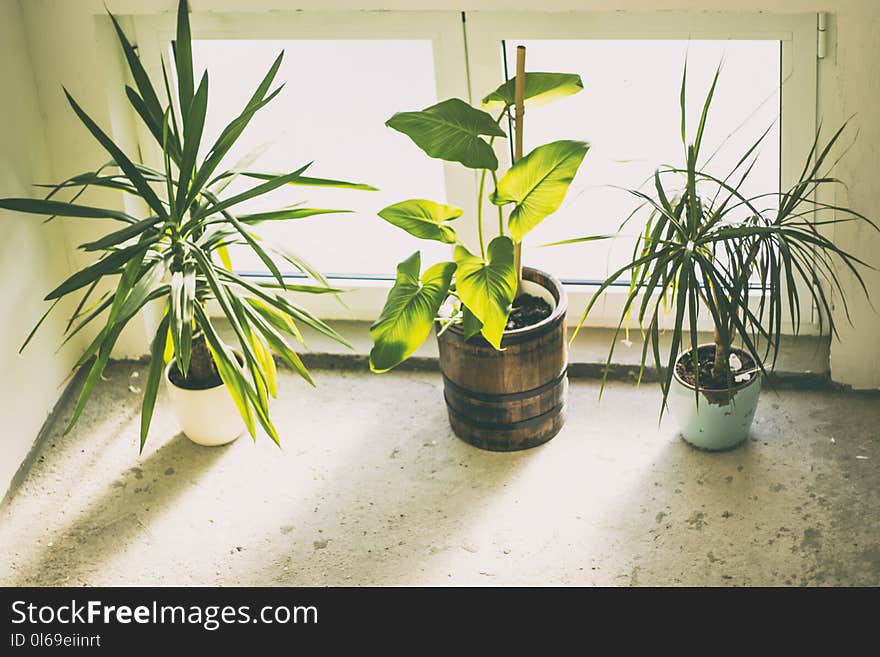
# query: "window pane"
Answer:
x=332 y=110
x=629 y=112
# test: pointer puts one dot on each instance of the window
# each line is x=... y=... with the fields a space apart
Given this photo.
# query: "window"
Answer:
x=331 y=112
x=629 y=112
x=361 y=67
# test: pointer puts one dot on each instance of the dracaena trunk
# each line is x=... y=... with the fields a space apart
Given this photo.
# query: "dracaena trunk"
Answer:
x=202 y=368
x=721 y=368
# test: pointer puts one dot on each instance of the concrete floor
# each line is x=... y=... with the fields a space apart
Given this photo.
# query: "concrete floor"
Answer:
x=371 y=487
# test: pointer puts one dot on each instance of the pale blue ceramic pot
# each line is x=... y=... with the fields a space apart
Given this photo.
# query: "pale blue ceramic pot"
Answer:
x=713 y=420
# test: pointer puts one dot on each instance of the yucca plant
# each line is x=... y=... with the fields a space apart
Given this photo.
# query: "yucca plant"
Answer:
x=708 y=247
x=177 y=253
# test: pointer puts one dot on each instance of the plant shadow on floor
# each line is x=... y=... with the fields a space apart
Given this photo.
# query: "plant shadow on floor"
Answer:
x=118 y=516
x=737 y=517
x=395 y=503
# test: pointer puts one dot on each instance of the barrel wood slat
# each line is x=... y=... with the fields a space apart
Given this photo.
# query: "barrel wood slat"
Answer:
x=515 y=398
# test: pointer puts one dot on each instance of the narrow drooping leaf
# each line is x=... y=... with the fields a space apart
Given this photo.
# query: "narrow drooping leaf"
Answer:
x=193 y=124
x=121 y=159
x=106 y=266
x=233 y=131
x=154 y=377
x=253 y=192
x=183 y=56
x=123 y=235
x=37 y=326
x=309 y=181
x=61 y=209
x=285 y=214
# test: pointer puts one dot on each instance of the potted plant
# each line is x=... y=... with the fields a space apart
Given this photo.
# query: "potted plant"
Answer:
x=501 y=327
x=708 y=248
x=176 y=255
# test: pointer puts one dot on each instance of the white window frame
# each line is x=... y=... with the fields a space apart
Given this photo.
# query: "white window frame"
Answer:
x=467 y=59
x=485 y=31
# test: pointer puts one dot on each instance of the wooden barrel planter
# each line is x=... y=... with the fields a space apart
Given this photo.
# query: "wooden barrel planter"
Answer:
x=515 y=398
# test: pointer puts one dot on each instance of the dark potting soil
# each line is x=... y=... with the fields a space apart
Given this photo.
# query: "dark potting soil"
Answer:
x=741 y=365
x=527 y=311
x=191 y=383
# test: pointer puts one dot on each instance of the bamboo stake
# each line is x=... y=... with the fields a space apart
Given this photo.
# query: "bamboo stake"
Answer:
x=519 y=92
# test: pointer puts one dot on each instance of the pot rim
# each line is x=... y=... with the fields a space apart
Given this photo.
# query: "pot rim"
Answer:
x=735 y=388
x=555 y=289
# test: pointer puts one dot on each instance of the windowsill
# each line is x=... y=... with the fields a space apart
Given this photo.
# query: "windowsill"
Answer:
x=802 y=362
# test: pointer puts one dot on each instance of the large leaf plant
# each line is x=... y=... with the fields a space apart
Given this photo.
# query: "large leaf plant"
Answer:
x=483 y=285
x=176 y=254
x=747 y=261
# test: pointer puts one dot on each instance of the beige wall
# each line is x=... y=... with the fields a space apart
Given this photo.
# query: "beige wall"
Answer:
x=32 y=258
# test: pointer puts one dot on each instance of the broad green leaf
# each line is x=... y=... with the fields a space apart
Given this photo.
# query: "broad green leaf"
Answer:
x=541 y=88
x=537 y=184
x=469 y=323
x=61 y=209
x=424 y=219
x=487 y=288
x=409 y=312
x=451 y=131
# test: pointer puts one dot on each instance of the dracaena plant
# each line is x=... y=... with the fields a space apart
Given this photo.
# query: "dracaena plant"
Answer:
x=745 y=260
x=176 y=254
x=483 y=285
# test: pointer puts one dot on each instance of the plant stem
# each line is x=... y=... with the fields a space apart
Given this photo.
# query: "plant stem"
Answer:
x=500 y=209
x=480 y=211
x=480 y=199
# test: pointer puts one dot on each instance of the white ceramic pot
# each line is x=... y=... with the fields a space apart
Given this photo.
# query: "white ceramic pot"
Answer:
x=208 y=417
x=719 y=421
